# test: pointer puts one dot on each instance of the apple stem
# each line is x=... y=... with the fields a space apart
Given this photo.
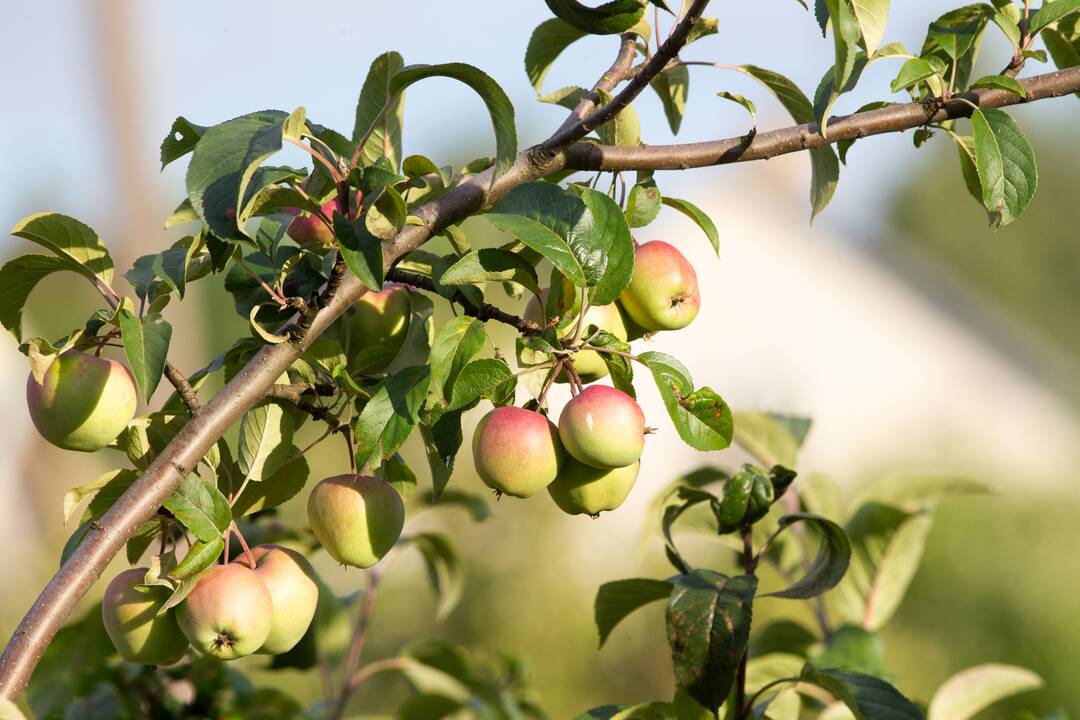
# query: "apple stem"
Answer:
x=555 y=370
x=243 y=543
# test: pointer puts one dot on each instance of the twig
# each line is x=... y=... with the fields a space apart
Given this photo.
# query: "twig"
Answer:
x=356 y=646
x=183 y=388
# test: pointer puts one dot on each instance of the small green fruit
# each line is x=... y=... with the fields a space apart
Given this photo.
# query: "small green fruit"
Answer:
x=584 y=490
x=588 y=364
x=516 y=451
x=378 y=324
x=603 y=427
x=356 y=518
x=229 y=614
x=83 y=402
x=663 y=291
x=290 y=579
x=129 y=613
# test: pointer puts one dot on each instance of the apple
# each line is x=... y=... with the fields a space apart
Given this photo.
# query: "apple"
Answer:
x=588 y=364
x=291 y=582
x=377 y=325
x=516 y=451
x=309 y=229
x=229 y=613
x=83 y=402
x=356 y=518
x=603 y=427
x=663 y=290
x=584 y=490
x=129 y=613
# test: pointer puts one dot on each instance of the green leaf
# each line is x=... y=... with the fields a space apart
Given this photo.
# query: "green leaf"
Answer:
x=767 y=437
x=703 y=27
x=389 y=416
x=110 y=486
x=853 y=648
x=832 y=561
x=146 y=346
x=687 y=408
x=69 y=239
x=846 y=33
x=708 y=626
x=867 y=697
x=172 y=267
x=547 y=42
x=970 y=691
x=18 y=278
x=607 y=250
x=619 y=366
x=916 y=491
x=199 y=557
x=615 y=600
x=265 y=440
x=965 y=152
x=381 y=110
x=361 y=250
x=1005 y=162
x=474 y=505
x=673 y=86
x=182 y=138
x=699 y=217
x=456 y=342
x=492 y=265
x=1051 y=12
x=911 y=73
x=610 y=18
x=544 y=240
x=276 y=489
x=498 y=104
x=485 y=378
x=201 y=507
x=643 y=203
x=873 y=15
x=443 y=569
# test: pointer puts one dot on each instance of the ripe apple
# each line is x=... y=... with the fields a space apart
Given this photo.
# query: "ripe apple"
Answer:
x=291 y=582
x=356 y=518
x=129 y=613
x=229 y=614
x=516 y=451
x=584 y=490
x=308 y=229
x=603 y=427
x=663 y=291
x=588 y=364
x=83 y=401
x=377 y=325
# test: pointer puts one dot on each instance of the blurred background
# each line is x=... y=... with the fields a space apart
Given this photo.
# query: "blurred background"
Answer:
x=915 y=337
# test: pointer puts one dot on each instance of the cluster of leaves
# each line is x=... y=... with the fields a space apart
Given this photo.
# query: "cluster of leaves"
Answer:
x=866 y=558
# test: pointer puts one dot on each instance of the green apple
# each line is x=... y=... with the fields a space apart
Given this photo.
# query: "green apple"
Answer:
x=83 y=402
x=377 y=325
x=356 y=518
x=588 y=364
x=663 y=291
x=291 y=581
x=603 y=427
x=229 y=613
x=516 y=451
x=129 y=612
x=584 y=490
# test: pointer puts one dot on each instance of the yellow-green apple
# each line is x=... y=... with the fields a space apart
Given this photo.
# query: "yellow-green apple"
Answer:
x=129 y=612
x=291 y=581
x=83 y=402
x=588 y=364
x=603 y=427
x=377 y=325
x=663 y=290
x=516 y=451
x=356 y=518
x=229 y=613
x=309 y=229
x=584 y=490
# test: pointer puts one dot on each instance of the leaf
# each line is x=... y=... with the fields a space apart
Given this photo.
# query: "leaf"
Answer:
x=474 y=505
x=485 y=378
x=491 y=265
x=360 y=249
x=610 y=18
x=853 y=648
x=609 y=249
x=277 y=489
x=265 y=440
x=615 y=600
x=199 y=557
x=831 y=563
x=676 y=389
x=223 y=163
x=546 y=43
x=643 y=203
x=381 y=110
x=146 y=345
x=389 y=416
x=498 y=104
x=541 y=238
x=1001 y=82
x=69 y=239
x=1050 y=13
x=443 y=569
x=116 y=480
x=911 y=73
x=18 y=278
x=915 y=491
x=455 y=344
x=172 y=267
x=708 y=626
x=868 y=698
x=872 y=15
x=200 y=507
x=673 y=86
x=771 y=438
x=1005 y=161
x=846 y=33
x=182 y=138
x=699 y=217
x=968 y=692
x=702 y=27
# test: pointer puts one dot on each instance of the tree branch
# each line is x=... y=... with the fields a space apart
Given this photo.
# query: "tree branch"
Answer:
x=484 y=311
x=183 y=388
x=619 y=71
x=764 y=145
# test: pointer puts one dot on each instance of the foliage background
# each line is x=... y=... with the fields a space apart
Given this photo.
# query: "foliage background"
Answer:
x=915 y=337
